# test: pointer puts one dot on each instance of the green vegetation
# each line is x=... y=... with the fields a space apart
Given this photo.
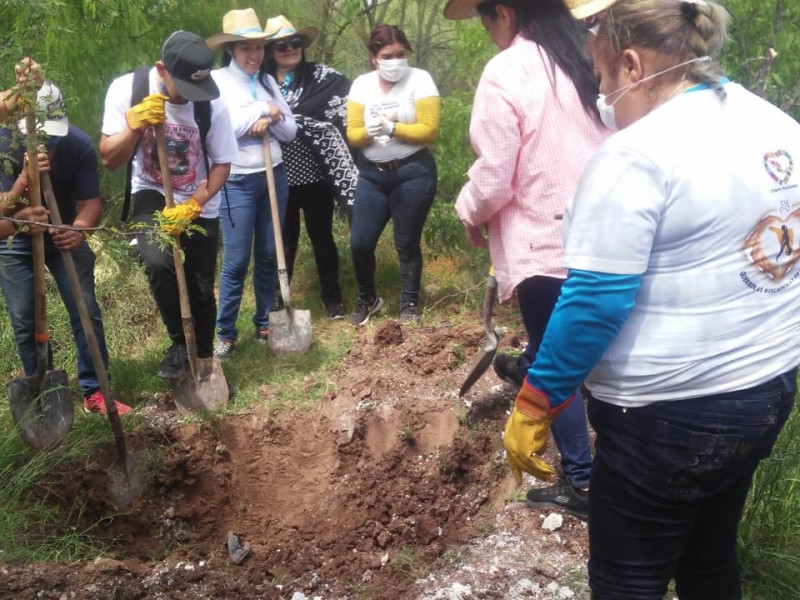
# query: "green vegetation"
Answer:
x=769 y=535
x=83 y=44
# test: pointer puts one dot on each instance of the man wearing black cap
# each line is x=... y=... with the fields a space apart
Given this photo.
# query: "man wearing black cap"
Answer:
x=181 y=78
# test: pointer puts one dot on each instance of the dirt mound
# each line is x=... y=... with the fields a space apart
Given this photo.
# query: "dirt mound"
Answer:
x=355 y=499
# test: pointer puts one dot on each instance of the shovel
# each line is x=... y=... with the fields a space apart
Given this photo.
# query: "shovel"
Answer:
x=126 y=477
x=289 y=328
x=484 y=358
x=41 y=405
x=204 y=386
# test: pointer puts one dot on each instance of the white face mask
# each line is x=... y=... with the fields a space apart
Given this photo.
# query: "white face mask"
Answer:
x=607 y=115
x=393 y=69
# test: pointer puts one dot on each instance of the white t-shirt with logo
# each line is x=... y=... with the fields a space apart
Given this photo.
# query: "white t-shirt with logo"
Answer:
x=701 y=197
x=186 y=162
x=397 y=106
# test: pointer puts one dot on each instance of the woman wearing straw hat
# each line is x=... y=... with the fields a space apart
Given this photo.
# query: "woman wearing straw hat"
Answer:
x=257 y=109
x=318 y=161
x=534 y=125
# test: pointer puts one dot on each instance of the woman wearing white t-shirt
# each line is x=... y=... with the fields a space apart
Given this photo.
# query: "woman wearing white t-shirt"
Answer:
x=680 y=307
x=392 y=116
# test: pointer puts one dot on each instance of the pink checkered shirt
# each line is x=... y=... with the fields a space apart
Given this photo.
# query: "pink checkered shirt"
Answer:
x=533 y=138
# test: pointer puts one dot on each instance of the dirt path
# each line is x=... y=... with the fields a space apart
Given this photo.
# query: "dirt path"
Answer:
x=391 y=488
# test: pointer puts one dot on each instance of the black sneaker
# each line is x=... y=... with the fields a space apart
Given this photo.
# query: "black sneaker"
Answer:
x=561 y=495
x=507 y=368
x=364 y=310
x=173 y=365
x=277 y=302
x=409 y=313
x=262 y=335
x=335 y=310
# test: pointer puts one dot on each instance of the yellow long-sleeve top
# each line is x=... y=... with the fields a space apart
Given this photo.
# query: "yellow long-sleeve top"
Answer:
x=413 y=104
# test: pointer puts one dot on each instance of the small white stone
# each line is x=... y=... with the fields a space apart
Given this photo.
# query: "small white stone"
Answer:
x=385 y=559
x=552 y=522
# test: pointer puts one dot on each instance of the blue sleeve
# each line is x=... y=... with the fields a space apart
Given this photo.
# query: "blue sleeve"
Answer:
x=587 y=317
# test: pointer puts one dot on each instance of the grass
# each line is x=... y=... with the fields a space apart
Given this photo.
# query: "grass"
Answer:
x=769 y=535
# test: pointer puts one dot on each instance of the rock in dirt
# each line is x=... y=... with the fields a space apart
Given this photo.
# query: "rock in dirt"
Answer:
x=236 y=550
x=552 y=522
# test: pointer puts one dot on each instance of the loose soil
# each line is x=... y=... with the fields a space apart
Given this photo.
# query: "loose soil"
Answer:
x=392 y=487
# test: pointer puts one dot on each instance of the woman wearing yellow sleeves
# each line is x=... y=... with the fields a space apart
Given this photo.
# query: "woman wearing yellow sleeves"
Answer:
x=392 y=116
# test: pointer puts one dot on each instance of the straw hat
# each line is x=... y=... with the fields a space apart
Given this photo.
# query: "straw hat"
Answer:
x=237 y=26
x=581 y=9
x=280 y=28
x=466 y=9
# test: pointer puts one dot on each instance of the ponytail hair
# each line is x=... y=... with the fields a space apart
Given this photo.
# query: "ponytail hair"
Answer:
x=677 y=30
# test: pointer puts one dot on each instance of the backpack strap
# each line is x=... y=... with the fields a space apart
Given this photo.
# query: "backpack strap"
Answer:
x=139 y=89
x=202 y=116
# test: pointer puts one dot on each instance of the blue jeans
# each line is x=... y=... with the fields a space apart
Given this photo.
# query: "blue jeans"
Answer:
x=537 y=297
x=669 y=484
x=247 y=227
x=16 y=280
x=404 y=194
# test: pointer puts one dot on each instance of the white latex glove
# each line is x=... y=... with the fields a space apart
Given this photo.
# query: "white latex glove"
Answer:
x=379 y=126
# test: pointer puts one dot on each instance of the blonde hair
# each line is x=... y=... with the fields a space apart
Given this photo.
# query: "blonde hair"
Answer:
x=677 y=30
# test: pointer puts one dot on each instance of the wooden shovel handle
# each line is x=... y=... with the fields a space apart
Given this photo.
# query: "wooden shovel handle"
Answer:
x=283 y=278
x=180 y=274
x=42 y=334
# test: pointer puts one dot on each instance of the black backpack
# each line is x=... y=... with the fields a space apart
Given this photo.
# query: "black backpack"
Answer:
x=202 y=116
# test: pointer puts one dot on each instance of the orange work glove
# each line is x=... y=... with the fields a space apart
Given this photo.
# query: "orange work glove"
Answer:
x=150 y=111
x=527 y=430
x=176 y=219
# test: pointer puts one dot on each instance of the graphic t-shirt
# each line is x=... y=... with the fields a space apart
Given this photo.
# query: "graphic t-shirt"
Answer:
x=700 y=197
x=397 y=106
x=184 y=154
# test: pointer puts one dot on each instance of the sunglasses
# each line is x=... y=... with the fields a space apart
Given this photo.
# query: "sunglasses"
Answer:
x=294 y=44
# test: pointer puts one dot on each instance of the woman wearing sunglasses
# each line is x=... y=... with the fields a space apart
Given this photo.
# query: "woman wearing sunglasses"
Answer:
x=392 y=115
x=257 y=110
x=318 y=162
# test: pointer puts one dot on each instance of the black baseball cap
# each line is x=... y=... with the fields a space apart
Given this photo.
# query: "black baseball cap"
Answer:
x=188 y=61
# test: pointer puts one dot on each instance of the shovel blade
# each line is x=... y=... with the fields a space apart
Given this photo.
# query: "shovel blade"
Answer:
x=289 y=331
x=480 y=363
x=208 y=392
x=41 y=409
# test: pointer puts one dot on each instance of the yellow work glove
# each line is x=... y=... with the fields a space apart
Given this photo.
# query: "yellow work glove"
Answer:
x=176 y=219
x=527 y=430
x=150 y=111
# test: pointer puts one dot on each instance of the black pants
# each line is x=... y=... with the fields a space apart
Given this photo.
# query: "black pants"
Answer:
x=200 y=265
x=316 y=202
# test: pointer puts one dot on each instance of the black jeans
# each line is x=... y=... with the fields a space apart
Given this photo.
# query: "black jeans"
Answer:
x=668 y=489
x=404 y=194
x=200 y=265
x=317 y=203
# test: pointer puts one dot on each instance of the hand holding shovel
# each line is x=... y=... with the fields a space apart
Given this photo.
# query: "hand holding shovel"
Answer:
x=41 y=405
x=126 y=477
x=204 y=386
